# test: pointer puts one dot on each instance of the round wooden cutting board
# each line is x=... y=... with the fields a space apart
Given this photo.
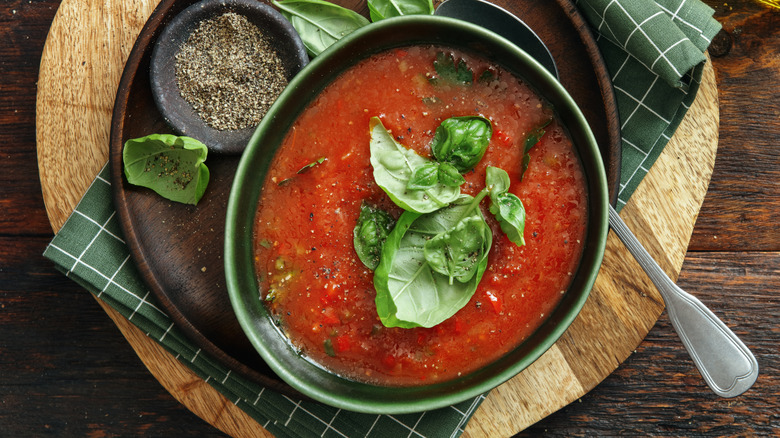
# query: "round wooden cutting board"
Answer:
x=81 y=65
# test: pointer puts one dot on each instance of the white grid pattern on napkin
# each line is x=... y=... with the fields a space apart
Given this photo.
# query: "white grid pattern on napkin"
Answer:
x=100 y=264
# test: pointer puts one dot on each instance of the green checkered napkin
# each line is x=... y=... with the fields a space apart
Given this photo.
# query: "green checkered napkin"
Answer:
x=90 y=248
x=654 y=54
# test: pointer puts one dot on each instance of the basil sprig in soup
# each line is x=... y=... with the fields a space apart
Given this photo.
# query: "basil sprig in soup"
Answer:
x=435 y=256
x=397 y=243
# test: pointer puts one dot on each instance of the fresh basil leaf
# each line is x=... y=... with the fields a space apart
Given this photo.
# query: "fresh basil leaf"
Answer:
x=320 y=23
x=394 y=166
x=533 y=138
x=496 y=180
x=507 y=208
x=524 y=165
x=409 y=292
x=510 y=213
x=449 y=175
x=457 y=252
x=424 y=177
x=433 y=173
x=370 y=233
x=487 y=76
x=462 y=141
x=381 y=9
x=170 y=165
x=449 y=71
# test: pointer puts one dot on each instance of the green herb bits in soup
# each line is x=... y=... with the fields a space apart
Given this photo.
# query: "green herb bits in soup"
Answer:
x=438 y=222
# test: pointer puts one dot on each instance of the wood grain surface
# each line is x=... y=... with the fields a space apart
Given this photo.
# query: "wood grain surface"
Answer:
x=622 y=308
x=66 y=371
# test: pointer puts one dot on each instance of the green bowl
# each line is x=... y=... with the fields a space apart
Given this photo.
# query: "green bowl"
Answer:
x=311 y=379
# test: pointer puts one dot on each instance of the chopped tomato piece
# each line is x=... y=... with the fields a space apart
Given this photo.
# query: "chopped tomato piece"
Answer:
x=329 y=294
x=329 y=316
x=459 y=326
x=389 y=361
x=342 y=343
x=495 y=301
x=502 y=137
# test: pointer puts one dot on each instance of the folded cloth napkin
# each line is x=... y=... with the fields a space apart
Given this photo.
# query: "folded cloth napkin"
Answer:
x=654 y=51
x=91 y=250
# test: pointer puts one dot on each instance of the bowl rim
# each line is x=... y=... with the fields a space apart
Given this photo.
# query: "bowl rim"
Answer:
x=239 y=230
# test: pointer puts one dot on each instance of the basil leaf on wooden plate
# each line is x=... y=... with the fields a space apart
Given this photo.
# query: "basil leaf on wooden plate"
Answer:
x=410 y=292
x=462 y=141
x=320 y=23
x=381 y=9
x=394 y=165
x=506 y=207
x=370 y=233
x=170 y=165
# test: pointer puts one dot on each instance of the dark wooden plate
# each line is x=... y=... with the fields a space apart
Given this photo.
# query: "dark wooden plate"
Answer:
x=178 y=248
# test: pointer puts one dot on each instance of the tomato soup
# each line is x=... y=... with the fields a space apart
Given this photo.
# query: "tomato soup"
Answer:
x=310 y=276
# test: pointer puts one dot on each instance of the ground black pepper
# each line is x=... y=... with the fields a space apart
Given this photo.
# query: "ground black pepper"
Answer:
x=228 y=71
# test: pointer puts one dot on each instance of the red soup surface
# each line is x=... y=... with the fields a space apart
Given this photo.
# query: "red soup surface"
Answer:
x=309 y=272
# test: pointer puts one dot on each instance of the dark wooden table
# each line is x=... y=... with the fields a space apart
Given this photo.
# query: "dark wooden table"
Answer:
x=65 y=370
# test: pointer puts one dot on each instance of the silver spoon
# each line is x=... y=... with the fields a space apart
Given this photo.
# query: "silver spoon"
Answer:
x=725 y=363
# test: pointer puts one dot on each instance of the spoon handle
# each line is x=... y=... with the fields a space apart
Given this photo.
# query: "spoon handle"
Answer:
x=726 y=364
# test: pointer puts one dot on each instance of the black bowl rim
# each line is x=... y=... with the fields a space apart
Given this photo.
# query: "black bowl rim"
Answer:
x=327 y=387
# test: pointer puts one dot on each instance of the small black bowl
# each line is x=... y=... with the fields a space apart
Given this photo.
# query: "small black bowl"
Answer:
x=176 y=110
